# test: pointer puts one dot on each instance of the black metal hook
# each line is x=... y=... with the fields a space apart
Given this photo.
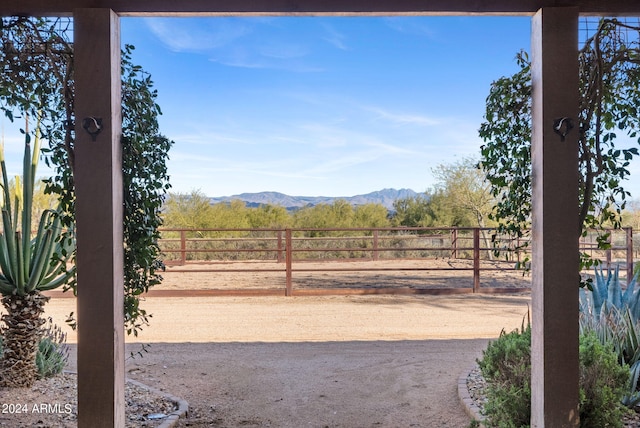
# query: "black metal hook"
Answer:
x=562 y=127
x=93 y=126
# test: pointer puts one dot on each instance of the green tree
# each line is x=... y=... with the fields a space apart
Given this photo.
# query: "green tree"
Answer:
x=370 y=215
x=465 y=192
x=36 y=78
x=609 y=104
x=231 y=215
x=414 y=211
x=188 y=211
x=269 y=216
x=322 y=216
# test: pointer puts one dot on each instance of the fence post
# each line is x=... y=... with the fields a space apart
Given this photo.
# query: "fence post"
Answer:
x=375 y=245
x=629 y=231
x=183 y=247
x=454 y=243
x=476 y=259
x=289 y=255
x=280 y=255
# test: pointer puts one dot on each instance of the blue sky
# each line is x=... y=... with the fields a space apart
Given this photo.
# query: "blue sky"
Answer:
x=319 y=106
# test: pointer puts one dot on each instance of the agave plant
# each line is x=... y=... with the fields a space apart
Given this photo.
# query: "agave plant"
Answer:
x=613 y=314
x=29 y=264
x=608 y=292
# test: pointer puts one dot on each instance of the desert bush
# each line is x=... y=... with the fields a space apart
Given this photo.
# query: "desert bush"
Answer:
x=602 y=384
x=506 y=366
x=52 y=353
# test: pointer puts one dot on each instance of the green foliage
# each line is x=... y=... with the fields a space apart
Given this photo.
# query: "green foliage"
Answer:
x=268 y=216
x=506 y=155
x=30 y=265
x=460 y=198
x=37 y=66
x=146 y=181
x=41 y=200
x=602 y=382
x=233 y=215
x=613 y=316
x=53 y=353
x=607 y=293
x=187 y=211
x=464 y=193
x=370 y=216
x=414 y=211
x=609 y=100
x=195 y=211
x=618 y=329
x=322 y=216
x=506 y=365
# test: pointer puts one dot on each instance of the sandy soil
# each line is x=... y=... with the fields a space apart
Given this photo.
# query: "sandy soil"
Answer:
x=449 y=273
x=341 y=361
x=334 y=361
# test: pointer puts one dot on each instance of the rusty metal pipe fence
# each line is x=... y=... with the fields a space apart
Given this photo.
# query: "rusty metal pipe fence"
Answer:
x=287 y=250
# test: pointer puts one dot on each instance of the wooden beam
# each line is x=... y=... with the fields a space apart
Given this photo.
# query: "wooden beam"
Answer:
x=555 y=228
x=316 y=7
x=98 y=180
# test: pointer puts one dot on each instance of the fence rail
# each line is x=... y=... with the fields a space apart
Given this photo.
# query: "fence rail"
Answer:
x=289 y=249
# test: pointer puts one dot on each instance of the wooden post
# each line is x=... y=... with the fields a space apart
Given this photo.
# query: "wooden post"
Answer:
x=454 y=243
x=289 y=249
x=183 y=247
x=376 y=236
x=98 y=181
x=476 y=260
x=555 y=231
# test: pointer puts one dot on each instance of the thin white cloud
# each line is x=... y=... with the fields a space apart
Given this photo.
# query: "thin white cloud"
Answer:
x=208 y=139
x=206 y=165
x=257 y=62
x=232 y=42
x=283 y=50
x=390 y=149
x=195 y=34
x=404 y=118
x=410 y=25
x=334 y=37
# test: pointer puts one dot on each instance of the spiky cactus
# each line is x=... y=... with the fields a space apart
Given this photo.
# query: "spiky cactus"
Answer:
x=29 y=265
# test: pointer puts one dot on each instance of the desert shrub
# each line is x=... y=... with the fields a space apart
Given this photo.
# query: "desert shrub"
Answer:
x=506 y=365
x=52 y=352
x=602 y=384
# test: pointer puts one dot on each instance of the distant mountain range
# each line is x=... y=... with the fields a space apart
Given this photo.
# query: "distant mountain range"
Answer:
x=385 y=197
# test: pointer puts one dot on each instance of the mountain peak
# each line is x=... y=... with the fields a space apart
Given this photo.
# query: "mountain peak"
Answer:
x=385 y=197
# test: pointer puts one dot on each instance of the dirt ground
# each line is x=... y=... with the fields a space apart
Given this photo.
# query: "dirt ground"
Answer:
x=331 y=361
x=449 y=273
